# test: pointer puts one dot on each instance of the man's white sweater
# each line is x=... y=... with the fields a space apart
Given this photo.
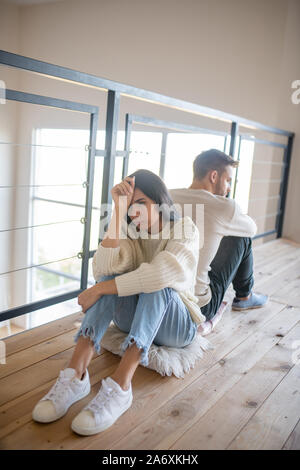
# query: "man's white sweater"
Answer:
x=222 y=217
x=148 y=264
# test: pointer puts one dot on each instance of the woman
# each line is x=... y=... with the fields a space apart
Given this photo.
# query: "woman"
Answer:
x=145 y=272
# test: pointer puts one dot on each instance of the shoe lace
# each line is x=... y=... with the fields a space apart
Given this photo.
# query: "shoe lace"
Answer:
x=100 y=400
x=59 y=389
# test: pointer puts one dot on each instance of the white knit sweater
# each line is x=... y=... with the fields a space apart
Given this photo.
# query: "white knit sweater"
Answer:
x=222 y=217
x=149 y=264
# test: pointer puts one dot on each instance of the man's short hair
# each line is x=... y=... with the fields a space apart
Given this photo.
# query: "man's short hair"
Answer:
x=212 y=159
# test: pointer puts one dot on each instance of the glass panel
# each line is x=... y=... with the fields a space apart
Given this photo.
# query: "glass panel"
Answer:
x=264 y=192
x=145 y=151
x=181 y=151
x=54 y=312
x=243 y=175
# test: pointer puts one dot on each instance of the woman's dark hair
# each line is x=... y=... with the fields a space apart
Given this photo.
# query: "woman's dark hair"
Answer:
x=154 y=187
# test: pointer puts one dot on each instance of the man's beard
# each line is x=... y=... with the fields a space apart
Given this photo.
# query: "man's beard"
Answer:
x=218 y=190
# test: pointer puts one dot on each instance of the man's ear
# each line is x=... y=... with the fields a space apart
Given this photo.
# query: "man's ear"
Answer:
x=213 y=176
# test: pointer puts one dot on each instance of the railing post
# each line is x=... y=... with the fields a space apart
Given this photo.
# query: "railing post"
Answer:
x=225 y=143
x=234 y=134
x=232 y=150
x=238 y=157
x=284 y=185
x=128 y=129
x=89 y=201
x=163 y=154
x=112 y=120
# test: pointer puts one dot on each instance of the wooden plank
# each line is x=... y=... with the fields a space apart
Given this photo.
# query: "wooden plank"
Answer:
x=180 y=409
x=293 y=441
x=265 y=253
x=29 y=338
x=275 y=419
x=222 y=423
x=146 y=385
x=273 y=268
x=280 y=281
x=37 y=353
x=16 y=413
x=290 y=292
x=166 y=392
x=21 y=431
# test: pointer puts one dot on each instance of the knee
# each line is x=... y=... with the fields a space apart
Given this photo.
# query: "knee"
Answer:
x=122 y=323
x=245 y=243
x=241 y=242
x=166 y=291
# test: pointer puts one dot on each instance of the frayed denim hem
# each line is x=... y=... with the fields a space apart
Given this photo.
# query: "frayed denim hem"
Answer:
x=89 y=332
x=144 y=354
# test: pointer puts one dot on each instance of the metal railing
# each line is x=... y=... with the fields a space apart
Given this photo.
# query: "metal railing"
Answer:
x=115 y=90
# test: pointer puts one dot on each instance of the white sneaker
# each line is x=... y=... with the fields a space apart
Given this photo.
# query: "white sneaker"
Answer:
x=105 y=408
x=67 y=390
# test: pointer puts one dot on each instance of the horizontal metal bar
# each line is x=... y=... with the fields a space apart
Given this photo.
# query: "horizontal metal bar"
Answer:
x=263 y=198
x=265 y=234
x=39 y=186
x=64 y=203
x=274 y=214
x=269 y=162
x=262 y=141
x=59 y=273
x=31 y=307
x=102 y=153
x=45 y=146
x=74 y=76
x=64 y=147
x=37 y=265
x=149 y=121
x=49 y=101
x=39 y=225
x=265 y=180
x=62 y=274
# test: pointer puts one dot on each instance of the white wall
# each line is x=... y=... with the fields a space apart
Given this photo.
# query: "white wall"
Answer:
x=288 y=115
x=233 y=55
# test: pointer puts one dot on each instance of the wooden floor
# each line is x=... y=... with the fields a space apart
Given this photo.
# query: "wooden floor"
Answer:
x=245 y=394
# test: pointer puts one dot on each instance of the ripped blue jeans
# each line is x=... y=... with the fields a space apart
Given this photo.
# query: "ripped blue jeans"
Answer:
x=159 y=317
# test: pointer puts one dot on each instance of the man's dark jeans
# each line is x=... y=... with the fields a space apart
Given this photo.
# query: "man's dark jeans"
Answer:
x=233 y=262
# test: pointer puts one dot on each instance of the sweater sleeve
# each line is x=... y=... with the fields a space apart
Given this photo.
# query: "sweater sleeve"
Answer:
x=107 y=260
x=240 y=225
x=175 y=266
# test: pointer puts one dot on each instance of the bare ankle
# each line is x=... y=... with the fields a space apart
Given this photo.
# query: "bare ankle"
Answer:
x=79 y=374
x=244 y=298
x=124 y=385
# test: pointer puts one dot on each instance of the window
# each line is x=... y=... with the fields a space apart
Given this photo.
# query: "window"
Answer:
x=181 y=152
x=59 y=168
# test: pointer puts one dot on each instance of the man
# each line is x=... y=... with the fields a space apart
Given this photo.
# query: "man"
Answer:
x=226 y=249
